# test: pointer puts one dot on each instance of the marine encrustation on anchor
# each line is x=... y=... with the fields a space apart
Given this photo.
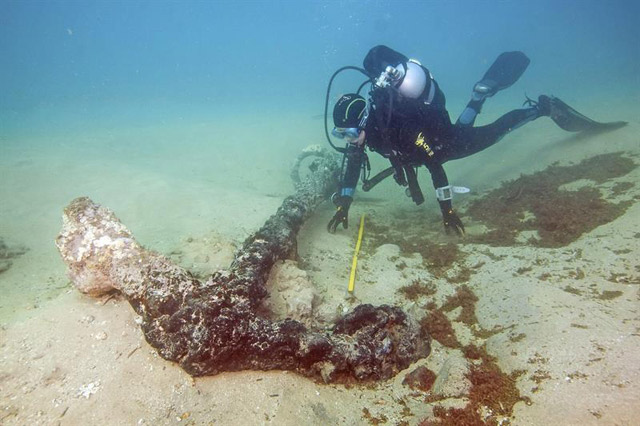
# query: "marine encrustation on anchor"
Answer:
x=405 y=120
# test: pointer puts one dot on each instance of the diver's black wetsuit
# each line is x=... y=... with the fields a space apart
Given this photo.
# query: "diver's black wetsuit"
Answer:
x=415 y=132
x=415 y=129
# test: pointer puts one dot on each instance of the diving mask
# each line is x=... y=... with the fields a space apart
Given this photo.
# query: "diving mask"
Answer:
x=348 y=133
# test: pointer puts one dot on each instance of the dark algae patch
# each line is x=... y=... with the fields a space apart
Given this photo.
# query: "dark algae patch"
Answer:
x=493 y=388
x=417 y=289
x=572 y=290
x=421 y=378
x=621 y=188
x=465 y=299
x=537 y=203
x=492 y=391
x=439 y=255
x=490 y=387
x=417 y=234
x=437 y=325
x=366 y=414
x=609 y=295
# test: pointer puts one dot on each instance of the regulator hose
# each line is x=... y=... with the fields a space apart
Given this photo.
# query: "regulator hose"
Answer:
x=326 y=101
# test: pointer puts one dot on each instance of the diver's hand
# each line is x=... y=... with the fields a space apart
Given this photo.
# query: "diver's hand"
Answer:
x=342 y=213
x=452 y=223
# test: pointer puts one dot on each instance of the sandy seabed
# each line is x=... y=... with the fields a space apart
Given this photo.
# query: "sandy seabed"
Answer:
x=567 y=319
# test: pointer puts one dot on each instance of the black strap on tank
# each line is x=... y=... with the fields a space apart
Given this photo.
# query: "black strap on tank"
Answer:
x=368 y=185
x=414 y=187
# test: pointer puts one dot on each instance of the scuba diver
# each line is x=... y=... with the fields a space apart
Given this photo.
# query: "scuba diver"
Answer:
x=406 y=121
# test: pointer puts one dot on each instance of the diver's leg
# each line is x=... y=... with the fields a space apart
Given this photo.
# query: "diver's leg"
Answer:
x=471 y=111
x=504 y=72
x=470 y=140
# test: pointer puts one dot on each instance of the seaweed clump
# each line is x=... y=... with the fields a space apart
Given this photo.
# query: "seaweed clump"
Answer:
x=463 y=298
x=490 y=387
x=437 y=257
x=537 y=203
x=416 y=289
x=366 y=414
x=436 y=323
x=421 y=378
x=493 y=393
x=610 y=295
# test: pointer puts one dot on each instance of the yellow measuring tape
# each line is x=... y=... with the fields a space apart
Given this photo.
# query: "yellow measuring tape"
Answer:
x=354 y=263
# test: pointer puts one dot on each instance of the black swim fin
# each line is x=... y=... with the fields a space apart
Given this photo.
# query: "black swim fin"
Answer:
x=504 y=71
x=571 y=120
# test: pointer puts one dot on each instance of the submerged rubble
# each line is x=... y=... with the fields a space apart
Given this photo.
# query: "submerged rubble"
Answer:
x=212 y=326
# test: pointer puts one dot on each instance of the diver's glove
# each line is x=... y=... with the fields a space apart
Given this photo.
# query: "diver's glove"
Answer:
x=452 y=223
x=341 y=216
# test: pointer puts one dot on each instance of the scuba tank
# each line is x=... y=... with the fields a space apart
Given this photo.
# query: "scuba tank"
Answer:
x=408 y=78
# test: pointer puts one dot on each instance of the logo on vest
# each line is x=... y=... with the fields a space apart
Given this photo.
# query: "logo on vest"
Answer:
x=420 y=143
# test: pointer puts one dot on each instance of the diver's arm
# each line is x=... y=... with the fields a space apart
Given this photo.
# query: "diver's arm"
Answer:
x=355 y=156
x=438 y=175
x=452 y=222
x=343 y=198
